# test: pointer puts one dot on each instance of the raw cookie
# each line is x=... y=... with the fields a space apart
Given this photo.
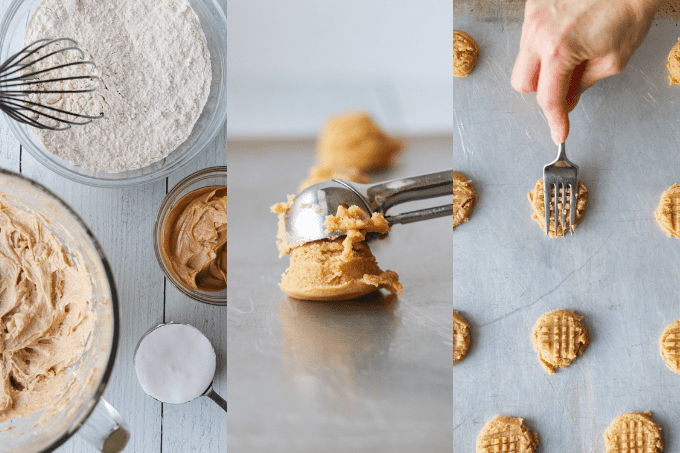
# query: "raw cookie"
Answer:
x=320 y=173
x=507 y=435
x=670 y=346
x=536 y=200
x=464 y=198
x=461 y=337
x=322 y=270
x=337 y=269
x=633 y=432
x=465 y=53
x=674 y=64
x=559 y=337
x=668 y=211
x=354 y=140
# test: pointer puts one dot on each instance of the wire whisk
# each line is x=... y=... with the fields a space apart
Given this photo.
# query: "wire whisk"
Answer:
x=22 y=75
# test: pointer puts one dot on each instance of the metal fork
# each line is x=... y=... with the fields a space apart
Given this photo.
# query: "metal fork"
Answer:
x=560 y=174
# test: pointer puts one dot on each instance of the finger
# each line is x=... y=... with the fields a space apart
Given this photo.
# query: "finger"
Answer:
x=553 y=87
x=600 y=68
x=525 y=72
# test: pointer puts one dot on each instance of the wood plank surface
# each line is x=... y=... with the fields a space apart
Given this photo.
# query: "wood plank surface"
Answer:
x=123 y=221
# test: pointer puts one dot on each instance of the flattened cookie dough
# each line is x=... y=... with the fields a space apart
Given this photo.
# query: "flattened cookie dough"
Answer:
x=464 y=198
x=674 y=64
x=320 y=173
x=354 y=140
x=633 y=432
x=465 y=53
x=670 y=346
x=461 y=337
x=536 y=200
x=668 y=211
x=507 y=435
x=559 y=337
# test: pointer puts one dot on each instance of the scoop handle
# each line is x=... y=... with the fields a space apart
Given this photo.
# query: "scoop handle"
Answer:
x=105 y=429
x=212 y=394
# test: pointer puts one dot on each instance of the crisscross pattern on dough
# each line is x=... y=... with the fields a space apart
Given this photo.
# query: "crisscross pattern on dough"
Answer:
x=559 y=337
x=670 y=346
x=668 y=211
x=461 y=337
x=506 y=435
x=633 y=433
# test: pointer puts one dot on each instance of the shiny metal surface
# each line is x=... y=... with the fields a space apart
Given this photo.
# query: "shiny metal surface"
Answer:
x=620 y=271
x=559 y=175
x=305 y=218
x=370 y=375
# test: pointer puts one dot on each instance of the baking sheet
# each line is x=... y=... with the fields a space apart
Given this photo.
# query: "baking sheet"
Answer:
x=367 y=375
x=620 y=271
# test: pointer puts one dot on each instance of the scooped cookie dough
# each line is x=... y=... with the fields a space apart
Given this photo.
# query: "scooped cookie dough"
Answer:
x=465 y=53
x=633 y=433
x=320 y=173
x=506 y=434
x=464 y=198
x=45 y=314
x=670 y=346
x=674 y=64
x=461 y=337
x=559 y=337
x=668 y=211
x=335 y=269
x=195 y=239
x=354 y=140
x=536 y=200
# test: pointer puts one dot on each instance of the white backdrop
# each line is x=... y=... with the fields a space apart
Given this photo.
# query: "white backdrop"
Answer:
x=399 y=47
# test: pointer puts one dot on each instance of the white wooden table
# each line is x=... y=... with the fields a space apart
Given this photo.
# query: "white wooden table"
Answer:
x=123 y=221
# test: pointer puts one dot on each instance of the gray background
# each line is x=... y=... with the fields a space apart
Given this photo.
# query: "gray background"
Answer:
x=620 y=270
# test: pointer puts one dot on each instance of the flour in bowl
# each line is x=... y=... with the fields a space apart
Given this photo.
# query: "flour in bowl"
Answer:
x=154 y=66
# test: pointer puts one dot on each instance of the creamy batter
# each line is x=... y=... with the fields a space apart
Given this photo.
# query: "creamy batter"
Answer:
x=45 y=314
x=153 y=60
x=195 y=239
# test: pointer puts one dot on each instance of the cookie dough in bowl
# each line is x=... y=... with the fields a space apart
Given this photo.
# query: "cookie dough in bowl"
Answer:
x=164 y=99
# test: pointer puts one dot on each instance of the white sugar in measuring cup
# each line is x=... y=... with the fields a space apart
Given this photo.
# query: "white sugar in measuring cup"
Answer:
x=175 y=363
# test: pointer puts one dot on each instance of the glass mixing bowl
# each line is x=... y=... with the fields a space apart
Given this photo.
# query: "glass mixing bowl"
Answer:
x=214 y=24
x=214 y=176
x=93 y=370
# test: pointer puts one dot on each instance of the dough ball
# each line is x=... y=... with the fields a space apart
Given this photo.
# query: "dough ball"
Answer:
x=674 y=64
x=559 y=337
x=465 y=53
x=321 y=271
x=464 y=198
x=536 y=200
x=354 y=140
x=670 y=346
x=633 y=433
x=461 y=337
x=668 y=211
x=506 y=434
x=320 y=173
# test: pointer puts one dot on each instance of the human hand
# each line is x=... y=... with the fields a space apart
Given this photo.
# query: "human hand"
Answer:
x=568 y=45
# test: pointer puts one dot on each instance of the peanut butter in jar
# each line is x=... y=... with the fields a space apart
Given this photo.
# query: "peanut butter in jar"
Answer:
x=194 y=244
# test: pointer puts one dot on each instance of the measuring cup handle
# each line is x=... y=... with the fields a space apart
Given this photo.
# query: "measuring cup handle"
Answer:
x=105 y=429
x=212 y=394
x=391 y=193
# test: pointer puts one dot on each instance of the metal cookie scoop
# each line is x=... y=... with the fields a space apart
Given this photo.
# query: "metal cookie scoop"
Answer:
x=305 y=218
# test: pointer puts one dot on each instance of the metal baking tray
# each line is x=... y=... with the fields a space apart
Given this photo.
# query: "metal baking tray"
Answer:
x=619 y=270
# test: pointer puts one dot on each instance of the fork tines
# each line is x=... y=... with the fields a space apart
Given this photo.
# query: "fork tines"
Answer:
x=560 y=177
